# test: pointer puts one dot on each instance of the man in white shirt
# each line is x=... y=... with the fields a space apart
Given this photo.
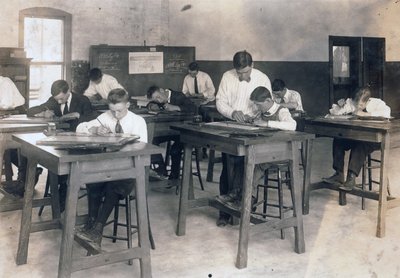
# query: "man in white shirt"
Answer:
x=233 y=101
x=364 y=106
x=287 y=98
x=198 y=83
x=100 y=85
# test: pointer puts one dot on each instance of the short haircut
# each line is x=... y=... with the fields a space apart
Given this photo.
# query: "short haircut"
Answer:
x=242 y=59
x=362 y=94
x=59 y=86
x=95 y=74
x=278 y=85
x=193 y=66
x=260 y=94
x=117 y=96
x=151 y=91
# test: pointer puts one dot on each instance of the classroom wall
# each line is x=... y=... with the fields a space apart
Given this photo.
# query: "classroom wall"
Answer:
x=122 y=22
x=277 y=30
x=288 y=38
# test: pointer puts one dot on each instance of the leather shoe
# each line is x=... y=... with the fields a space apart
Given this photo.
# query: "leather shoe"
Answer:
x=222 y=221
x=349 y=184
x=336 y=178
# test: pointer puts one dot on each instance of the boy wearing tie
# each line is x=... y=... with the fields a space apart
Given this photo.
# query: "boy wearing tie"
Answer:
x=117 y=120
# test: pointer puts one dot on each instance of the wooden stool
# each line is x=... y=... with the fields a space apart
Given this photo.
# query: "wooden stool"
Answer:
x=281 y=170
x=130 y=228
x=370 y=164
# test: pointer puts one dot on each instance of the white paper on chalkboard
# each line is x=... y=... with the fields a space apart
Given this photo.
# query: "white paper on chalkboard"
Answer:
x=146 y=62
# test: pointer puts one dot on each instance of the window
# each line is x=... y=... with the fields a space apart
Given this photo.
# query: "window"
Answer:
x=45 y=34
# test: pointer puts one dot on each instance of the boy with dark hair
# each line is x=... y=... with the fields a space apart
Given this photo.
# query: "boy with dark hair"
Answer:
x=117 y=120
x=198 y=83
x=165 y=99
x=286 y=98
x=364 y=105
x=61 y=103
x=100 y=85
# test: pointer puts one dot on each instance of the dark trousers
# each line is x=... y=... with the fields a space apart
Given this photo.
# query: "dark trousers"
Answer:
x=358 y=153
x=175 y=153
x=98 y=209
x=20 y=161
x=231 y=180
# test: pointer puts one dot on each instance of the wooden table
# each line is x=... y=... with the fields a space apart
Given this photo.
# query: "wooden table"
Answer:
x=387 y=134
x=82 y=168
x=7 y=128
x=270 y=147
x=159 y=125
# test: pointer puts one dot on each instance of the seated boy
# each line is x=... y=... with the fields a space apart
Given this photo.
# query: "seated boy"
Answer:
x=271 y=115
x=61 y=103
x=364 y=105
x=164 y=99
x=117 y=120
x=286 y=98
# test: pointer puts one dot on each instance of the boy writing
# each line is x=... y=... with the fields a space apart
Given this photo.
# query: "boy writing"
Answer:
x=117 y=120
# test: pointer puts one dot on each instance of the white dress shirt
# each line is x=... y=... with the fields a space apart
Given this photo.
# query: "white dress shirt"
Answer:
x=131 y=124
x=106 y=84
x=69 y=104
x=204 y=85
x=284 y=122
x=234 y=95
x=10 y=96
x=292 y=96
x=378 y=108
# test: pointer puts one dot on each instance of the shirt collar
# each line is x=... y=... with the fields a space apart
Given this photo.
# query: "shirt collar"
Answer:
x=273 y=109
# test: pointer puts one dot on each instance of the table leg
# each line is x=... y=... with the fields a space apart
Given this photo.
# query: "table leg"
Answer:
x=297 y=199
x=55 y=198
x=184 y=194
x=2 y=150
x=74 y=183
x=143 y=222
x=241 y=260
x=307 y=174
x=383 y=186
x=26 y=219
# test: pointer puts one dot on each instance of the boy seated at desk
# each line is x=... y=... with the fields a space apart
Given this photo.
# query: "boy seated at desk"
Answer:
x=168 y=100
x=100 y=85
x=286 y=98
x=11 y=98
x=117 y=120
x=364 y=105
x=62 y=103
x=270 y=115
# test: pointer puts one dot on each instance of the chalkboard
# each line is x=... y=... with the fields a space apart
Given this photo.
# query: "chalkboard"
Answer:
x=114 y=60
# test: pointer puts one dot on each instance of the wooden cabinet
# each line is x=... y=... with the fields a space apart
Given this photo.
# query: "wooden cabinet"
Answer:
x=355 y=62
x=17 y=69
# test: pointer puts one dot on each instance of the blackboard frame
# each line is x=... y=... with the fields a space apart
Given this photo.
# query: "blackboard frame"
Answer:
x=114 y=60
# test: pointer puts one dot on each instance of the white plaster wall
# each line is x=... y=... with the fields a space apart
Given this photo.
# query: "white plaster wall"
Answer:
x=122 y=22
x=280 y=30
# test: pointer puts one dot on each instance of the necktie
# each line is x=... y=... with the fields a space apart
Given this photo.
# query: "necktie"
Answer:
x=66 y=110
x=196 y=88
x=118 y=128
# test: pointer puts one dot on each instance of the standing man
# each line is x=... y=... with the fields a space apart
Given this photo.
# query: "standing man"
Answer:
x=198 y=83
x=233 y=101
x=100 y=85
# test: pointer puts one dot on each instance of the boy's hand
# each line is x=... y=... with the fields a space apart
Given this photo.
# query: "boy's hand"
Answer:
x=48 y=114
x=101 y=130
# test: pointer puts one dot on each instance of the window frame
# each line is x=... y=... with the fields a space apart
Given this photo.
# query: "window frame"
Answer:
x=50 y=13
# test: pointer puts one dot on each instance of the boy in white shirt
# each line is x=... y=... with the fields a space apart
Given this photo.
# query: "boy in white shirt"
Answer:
x=117 y=120
x=364 y=105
